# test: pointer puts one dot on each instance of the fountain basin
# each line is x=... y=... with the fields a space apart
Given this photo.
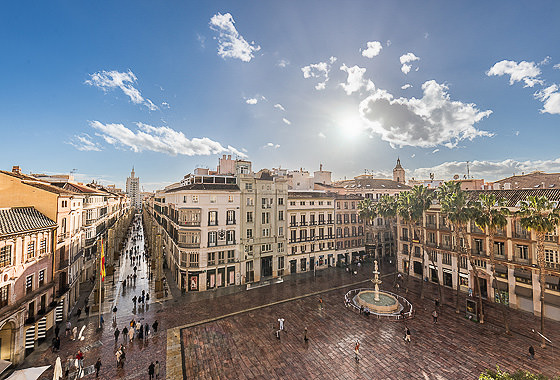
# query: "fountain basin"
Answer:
x=386 y=304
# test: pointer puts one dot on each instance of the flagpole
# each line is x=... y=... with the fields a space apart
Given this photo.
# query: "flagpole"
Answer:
x=100 y=277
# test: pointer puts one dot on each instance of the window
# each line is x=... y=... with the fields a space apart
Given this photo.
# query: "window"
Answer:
x=212 y=218
x=293 y=222
x=249 y=201
x=195 y=198
x=280 y=201
x=184 y=199
x=193 y=259
x=230 y=217
x=43 y=246
x=446 y=258
x=320 y=203
x=4 y=296
x=311 y=203
x=212 y=238
x=292 y=203
x=346 y=218
x=5 y=256
x=280 y=231
x=353 y=218
x=213 y=199
x=321 y=218
x=231 y=256
x=265 y=217
x=294 y=250
x=329 y=218
x=321 y=233
x=230 y=198
x=30 y=250
x=280 y=215
x=266 y=232
x=522 y=251
x=28 y=284
x=281 y=266
x=302 y=203
x=249 y=272
x=338 y=218
x=339 y=232
x=249 y=217
x=463 y=280
x=211 y=258
x=499 y=248
x=346 y=205
x=464 y=262
x=248 y=186
x=221 y=257
x=264 y=203
x=41 y=278
x=249 y=233
x=266 y=248
x=353 y=205
x=551 y=256
x=280 y=247
x=249 y=250
x=404 y=234
x=302 y=235
x=302 y=220
x=230 y=237
x=293 y=237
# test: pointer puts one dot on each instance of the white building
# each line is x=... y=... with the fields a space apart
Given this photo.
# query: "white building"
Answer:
x=133 y=190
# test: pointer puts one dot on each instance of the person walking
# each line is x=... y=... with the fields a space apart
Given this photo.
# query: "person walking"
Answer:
x=68 y=328
x=118 y=356
x=320 y=303
x=115 y=313
x=155 y=326
x=435 y=315
x=80 y=359
x=156 y=369
x=86 y=308
x=357 y=351
x=79 y=312
x=281 y=322
x=531 y=352
x=305 y=338
x=146 y=330
x=56 y=330
x=117 y=333
x=131 y=334
x=97 y=367
x=124 y=334
x=151 y=370
x=406 y=334
x=134 y=300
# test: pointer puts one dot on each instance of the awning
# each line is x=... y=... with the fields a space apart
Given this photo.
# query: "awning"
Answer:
x=502 y=286
x=445 y=270
x=522 y=273
x=28 y=373
x=551 y=299
x=4 y=364
x=524 y=292
x=432 y=267
x=552 y=280
x=501 y=269
x=464 y=275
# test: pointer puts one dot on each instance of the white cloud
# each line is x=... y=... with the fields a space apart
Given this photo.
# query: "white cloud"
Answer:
x=283 y=63
x=355 y=80
x=201 y=39
x=488 y=170
x=251 y=101
x=430 y=121
x=404 y=87
x=159 y=139
x=286 y=121
x=230 y=43
x=322 y=135
x=319 y=70
x=528 y=72
x=405 y=60
x=271 y=145
x=106 y=80
x=550 y=96
x=165 y=105
x=84 y=143
x=413 y=155
x=388 y=43
x=557 y=66
x=279 y=106
x=373 y=49
x=517 y=133
x=435 y=151
x=426 y=35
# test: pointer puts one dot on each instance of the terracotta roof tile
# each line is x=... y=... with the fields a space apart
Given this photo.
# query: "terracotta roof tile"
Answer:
x=21 y=219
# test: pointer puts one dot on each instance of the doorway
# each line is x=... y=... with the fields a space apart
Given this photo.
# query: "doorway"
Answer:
x=266 y=266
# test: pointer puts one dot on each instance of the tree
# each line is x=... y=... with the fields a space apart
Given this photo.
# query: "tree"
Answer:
x=387 y=208
x=518 y=375
x=540 y=215
x=490 y=214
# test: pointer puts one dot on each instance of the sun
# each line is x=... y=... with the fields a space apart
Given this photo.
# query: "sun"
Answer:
x=349 y=125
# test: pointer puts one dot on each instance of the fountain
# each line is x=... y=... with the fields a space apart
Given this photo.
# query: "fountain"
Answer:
x=377 y=301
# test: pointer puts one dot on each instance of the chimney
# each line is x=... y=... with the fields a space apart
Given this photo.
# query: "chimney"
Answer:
x=16 y=169
x=229 y=156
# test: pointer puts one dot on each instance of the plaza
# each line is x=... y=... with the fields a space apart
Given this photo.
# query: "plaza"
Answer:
x=214 y=335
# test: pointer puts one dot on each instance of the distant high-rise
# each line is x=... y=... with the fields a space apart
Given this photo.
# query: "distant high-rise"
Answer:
x=133 y=190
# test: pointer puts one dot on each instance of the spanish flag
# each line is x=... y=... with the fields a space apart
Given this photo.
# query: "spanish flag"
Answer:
x=102 y=262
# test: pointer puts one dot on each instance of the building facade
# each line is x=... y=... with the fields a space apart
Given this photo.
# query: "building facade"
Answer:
x=311 y=223
x=27 y=286
x=350 y=232
x=133 y=190
x=515 y=249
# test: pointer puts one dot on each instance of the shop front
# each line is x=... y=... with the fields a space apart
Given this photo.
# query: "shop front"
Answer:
x=193 y=281
x=447 y=277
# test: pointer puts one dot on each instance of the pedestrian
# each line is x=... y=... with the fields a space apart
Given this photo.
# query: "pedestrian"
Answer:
x=151 y=370
x=130 y=334
x=134 y=300
x=147 y=296
x=57 y=343
x=406 y=334
x=68 y=328
x=124 y=334
x=277 y=334
x=86 y=308
x=154 y=326
x=74 y=333
x=79 y=312
x=118 y=356
x=305 y=338
x=146 y=330
x=97 y=367
x=437 y=302
x=67 y=366
x=53 y=344
x=320 y=303
x=141 y=333
x=435 y=315
x=531 y=352
x=357 y=351
x=117 y=333
x=156 y=369
x=115 y=313
x=80 y=359
x=281 y=321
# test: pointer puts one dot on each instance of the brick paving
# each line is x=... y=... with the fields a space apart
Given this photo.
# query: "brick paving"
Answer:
x=243 y=344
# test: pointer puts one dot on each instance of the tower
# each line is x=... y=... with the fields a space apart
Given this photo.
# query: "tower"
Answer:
x=399 y=173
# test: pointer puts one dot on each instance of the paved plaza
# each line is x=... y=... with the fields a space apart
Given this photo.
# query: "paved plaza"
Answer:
x=231 y=335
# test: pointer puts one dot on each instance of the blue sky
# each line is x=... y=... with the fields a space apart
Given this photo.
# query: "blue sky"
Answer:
x=169 y=86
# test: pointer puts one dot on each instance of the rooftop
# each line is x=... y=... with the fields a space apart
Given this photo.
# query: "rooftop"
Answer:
x=22 y=219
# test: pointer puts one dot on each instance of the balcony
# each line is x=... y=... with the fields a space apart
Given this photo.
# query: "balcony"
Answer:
x=522 y=234
x=443 y=226
x=62 y=264
x=188 y=245
x=553 y=266
x=431 y=244
x=431 y=226
x=230 y=222
x=404 y=238
x=303 y=224
x=189 y=224
x=551 y=238
x=62 y=236
x=294 y=224
x=478 y=252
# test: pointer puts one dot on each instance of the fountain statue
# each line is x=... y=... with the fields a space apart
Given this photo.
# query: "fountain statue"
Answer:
x=377 y=301
x=376 y=281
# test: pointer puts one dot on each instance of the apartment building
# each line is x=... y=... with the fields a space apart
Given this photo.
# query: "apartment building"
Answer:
x=264 y=216
x=27 y=287
x=133 y=190
x=350 y=235
x=515 y=250
x=200 y=221
x=311 y=244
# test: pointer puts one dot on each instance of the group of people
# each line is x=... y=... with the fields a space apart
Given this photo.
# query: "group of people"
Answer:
x=135 y=328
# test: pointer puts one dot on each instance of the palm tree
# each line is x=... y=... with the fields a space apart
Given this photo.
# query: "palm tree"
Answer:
x=387 y=208
x=490 y=214
x=421 y=201
x=540 y=215
x=459 y=212
x=367 y=210
x=406 y=209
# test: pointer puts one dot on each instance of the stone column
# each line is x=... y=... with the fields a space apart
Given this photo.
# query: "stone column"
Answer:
x=158 y=269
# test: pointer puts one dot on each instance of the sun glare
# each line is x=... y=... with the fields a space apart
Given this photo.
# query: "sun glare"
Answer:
x=350 y=126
